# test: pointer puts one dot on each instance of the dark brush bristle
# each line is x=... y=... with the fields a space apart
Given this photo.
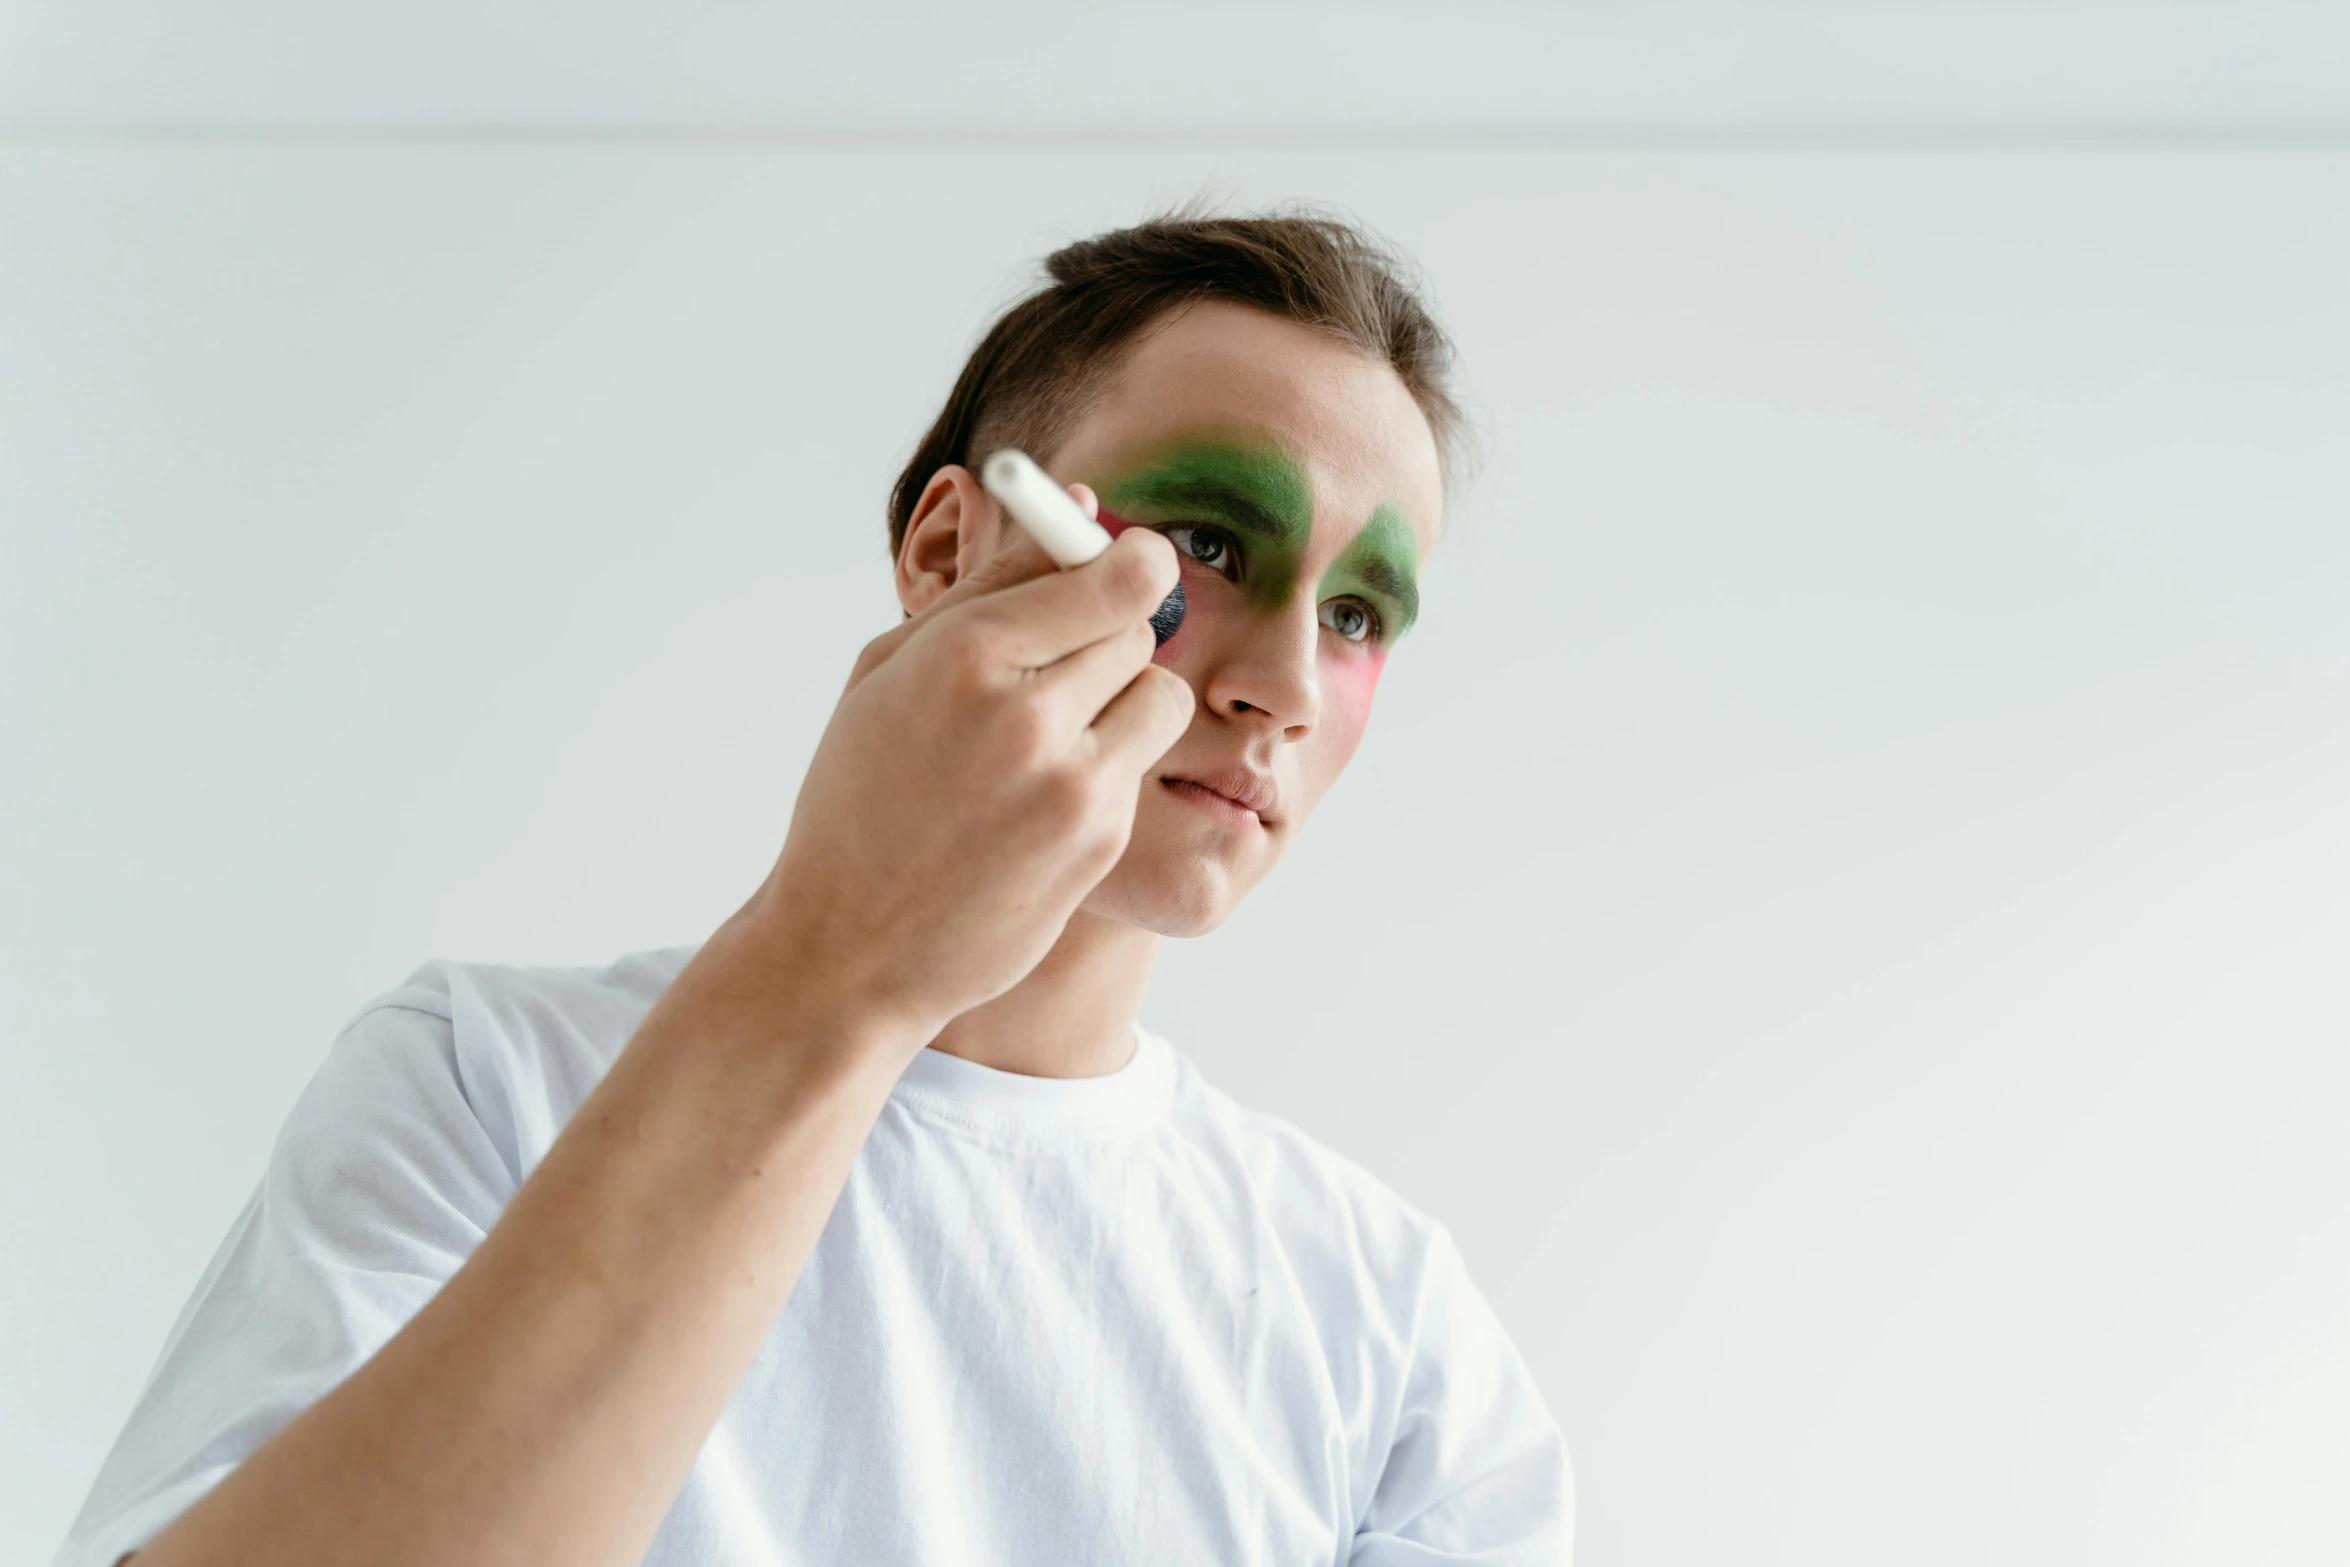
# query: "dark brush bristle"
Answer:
x=1168 y=617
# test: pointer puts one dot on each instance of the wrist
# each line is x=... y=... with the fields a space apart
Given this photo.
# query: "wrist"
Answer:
x=777 y=986
x=740 y=1064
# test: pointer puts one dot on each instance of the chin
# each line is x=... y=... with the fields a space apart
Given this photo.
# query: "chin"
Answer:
x=1181 y=873
x=1171 y=899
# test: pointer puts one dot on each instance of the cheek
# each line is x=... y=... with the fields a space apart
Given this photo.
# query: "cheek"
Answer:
x=1172 y=652
x=1349 y=682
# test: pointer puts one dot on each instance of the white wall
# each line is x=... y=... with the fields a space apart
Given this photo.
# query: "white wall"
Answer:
x=1842 y=909
x=1081 y=69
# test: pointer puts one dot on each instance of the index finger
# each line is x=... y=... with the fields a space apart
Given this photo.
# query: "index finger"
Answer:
x=1019 y=560
x=1043 y=620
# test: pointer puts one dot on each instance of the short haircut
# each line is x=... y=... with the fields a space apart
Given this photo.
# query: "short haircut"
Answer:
x=1044 y=362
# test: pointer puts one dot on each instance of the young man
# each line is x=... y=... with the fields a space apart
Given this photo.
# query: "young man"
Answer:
x=873 y=1230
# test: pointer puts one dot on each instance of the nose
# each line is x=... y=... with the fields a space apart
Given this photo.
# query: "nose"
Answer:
x=1265 y=673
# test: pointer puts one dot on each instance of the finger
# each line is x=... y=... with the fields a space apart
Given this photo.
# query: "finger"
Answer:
x=1141 y=723
x=1043 y=621
x=1017 y=559
x=1078 y=687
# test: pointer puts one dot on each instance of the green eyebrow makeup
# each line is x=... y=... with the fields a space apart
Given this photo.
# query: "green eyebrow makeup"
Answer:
x=1381 y=565
x=1256 y=492
x=1267 y=503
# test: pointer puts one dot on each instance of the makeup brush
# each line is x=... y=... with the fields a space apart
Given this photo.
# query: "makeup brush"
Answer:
x=1057 y=523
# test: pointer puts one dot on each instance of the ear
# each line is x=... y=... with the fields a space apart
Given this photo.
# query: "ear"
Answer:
x=953 y=530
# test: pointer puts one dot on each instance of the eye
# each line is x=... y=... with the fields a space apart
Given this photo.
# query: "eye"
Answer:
x=1211 y=547
x=1351 y=619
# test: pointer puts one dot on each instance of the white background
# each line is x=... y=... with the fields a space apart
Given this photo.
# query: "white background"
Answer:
x=1843 y=905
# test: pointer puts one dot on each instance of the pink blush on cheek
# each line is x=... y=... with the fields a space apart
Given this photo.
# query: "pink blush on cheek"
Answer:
x=1349 y=682
x=1175 y=646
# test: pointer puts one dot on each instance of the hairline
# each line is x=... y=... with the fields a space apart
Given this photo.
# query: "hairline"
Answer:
x=1043 y=438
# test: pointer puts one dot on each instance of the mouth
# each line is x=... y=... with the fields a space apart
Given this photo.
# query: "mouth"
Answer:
x=1237 y=795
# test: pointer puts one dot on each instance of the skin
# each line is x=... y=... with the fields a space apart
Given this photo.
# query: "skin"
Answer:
x=1336 y=455
x=1241 y=518
x=990 y=843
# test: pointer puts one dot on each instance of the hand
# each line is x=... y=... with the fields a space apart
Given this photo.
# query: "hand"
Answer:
x=977 y=779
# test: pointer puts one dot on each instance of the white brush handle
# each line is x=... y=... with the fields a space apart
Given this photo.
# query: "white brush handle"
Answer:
x=1052 y=517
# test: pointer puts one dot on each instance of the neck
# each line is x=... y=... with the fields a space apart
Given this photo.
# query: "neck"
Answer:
x=1073 y=1016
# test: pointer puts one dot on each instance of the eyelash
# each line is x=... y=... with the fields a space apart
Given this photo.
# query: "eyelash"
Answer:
x=1183 y=538
x=1373 y=628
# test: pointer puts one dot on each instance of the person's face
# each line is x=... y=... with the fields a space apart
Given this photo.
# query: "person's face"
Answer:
x=1300 y=484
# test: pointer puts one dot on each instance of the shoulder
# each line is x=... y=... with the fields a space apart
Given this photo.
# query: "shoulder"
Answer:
x=510 y=1050
x=571 y=1015
x=516 y=1002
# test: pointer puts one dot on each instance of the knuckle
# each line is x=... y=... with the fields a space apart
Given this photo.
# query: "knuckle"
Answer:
x=1115 y=824
x=1151 y=545
x=1159 y=555
x=870 y=656
x=1174 y=692
x=1026 y=730
x=1067 y=792
x=1101 y=852
x=974 y=652
x=1136 y=573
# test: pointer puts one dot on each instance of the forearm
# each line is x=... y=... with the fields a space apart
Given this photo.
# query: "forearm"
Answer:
x=547 y=1403
x=977 y=779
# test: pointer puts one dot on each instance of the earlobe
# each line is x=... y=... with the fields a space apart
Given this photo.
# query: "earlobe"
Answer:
x=945 y=537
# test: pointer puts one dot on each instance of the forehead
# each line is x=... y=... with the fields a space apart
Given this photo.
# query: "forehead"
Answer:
x=1237 y=375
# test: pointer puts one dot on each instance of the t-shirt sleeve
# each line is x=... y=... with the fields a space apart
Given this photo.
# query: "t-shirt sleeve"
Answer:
x=1477 y=1470
x=380 y=1185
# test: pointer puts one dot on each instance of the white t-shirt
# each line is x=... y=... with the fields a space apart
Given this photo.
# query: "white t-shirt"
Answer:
x=1106 y=1319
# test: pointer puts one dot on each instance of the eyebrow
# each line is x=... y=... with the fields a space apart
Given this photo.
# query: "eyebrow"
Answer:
x=1228 y=501
x=1381 y=575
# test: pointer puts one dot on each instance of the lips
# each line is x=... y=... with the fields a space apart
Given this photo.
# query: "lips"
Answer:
x=1250 y=790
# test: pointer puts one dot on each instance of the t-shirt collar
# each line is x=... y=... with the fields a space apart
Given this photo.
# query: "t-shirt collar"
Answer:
x=1137 y=1093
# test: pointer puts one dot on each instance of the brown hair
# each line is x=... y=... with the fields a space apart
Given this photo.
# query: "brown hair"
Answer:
x=1038 y=367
